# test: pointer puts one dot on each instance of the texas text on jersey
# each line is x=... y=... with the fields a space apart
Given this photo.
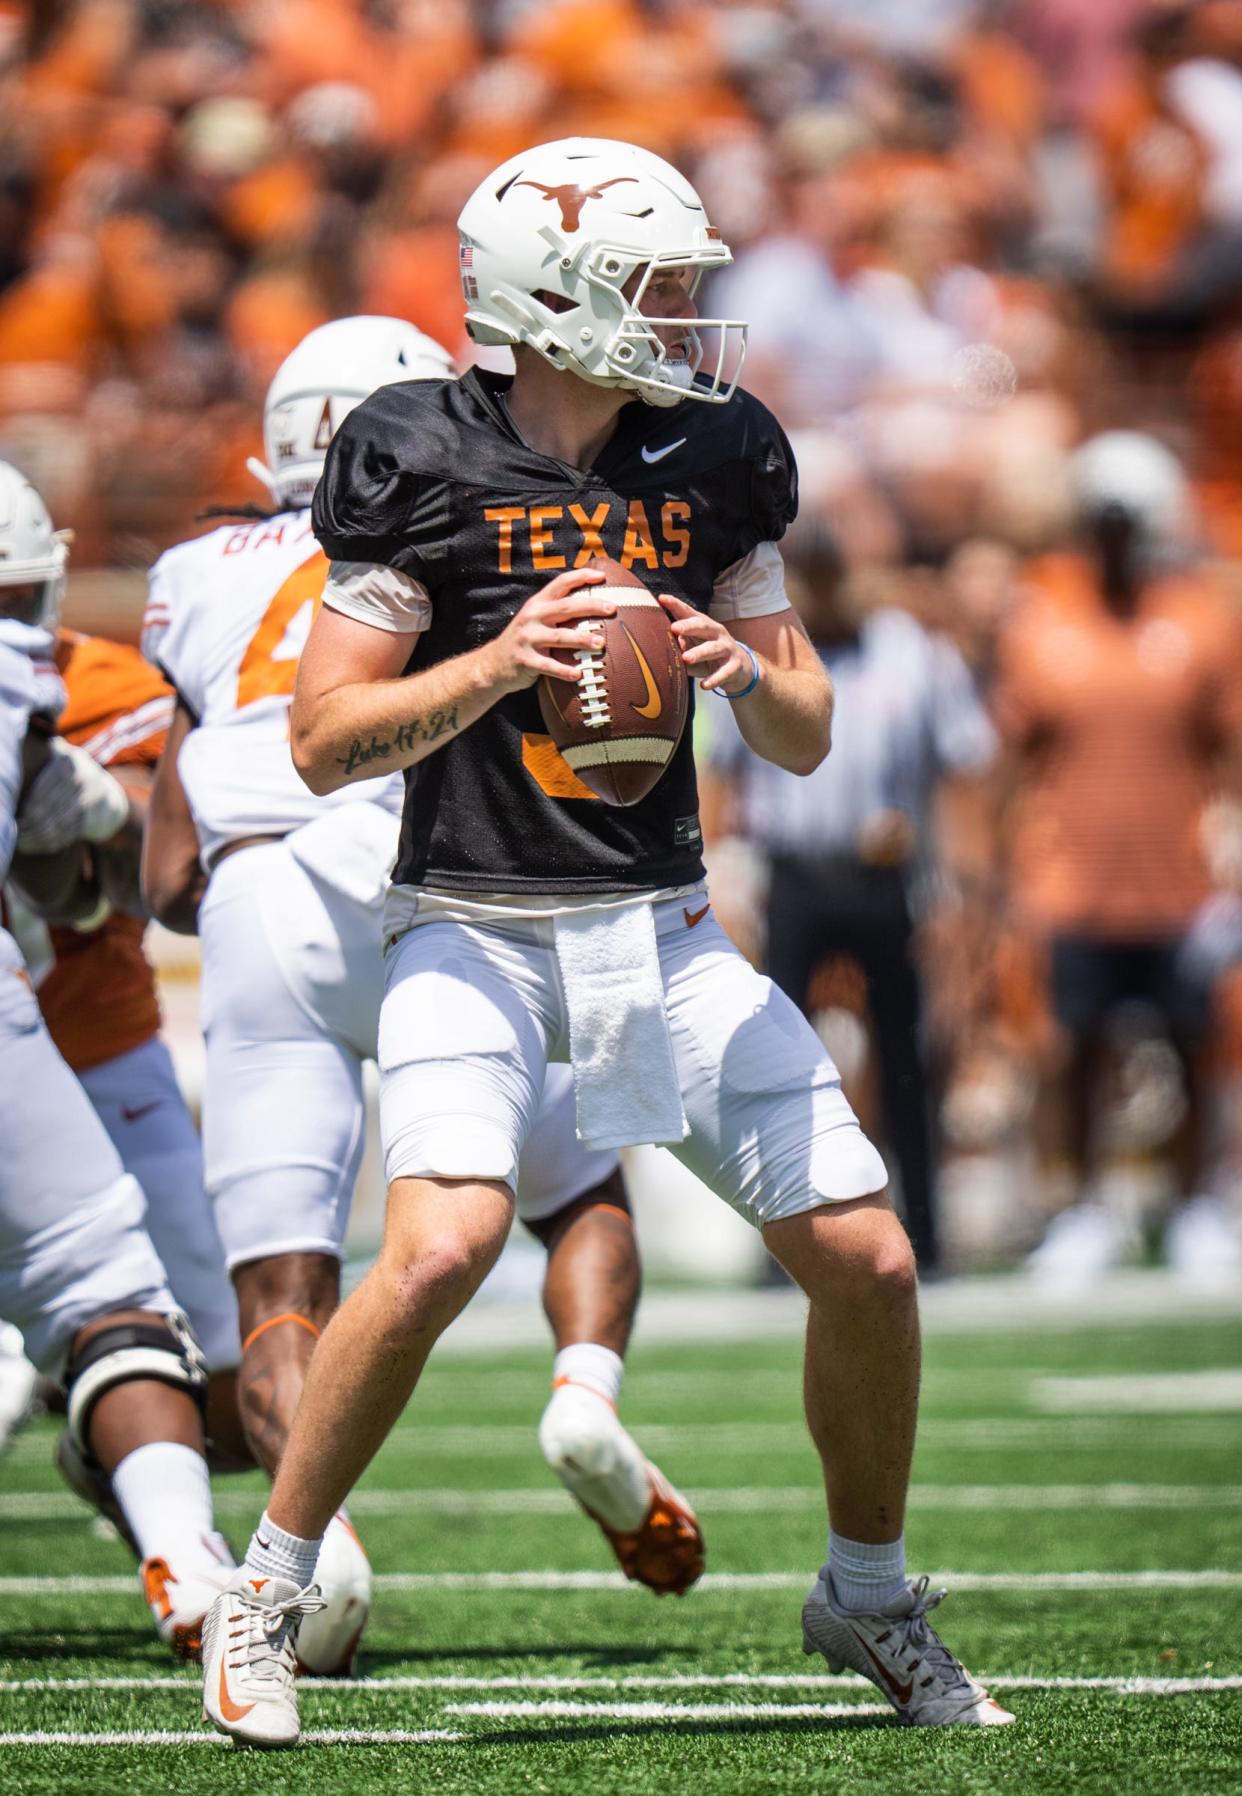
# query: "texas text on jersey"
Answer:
x=679 y=496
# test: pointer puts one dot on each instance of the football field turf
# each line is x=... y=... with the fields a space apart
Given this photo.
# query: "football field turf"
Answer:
x=1088 y=1532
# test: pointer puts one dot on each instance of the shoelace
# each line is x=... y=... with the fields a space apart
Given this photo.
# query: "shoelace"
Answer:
x=263 y=1643
x=927 y=1644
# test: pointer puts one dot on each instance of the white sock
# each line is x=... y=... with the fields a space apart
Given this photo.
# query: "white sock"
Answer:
x=274 y=1554
x=165 y=1493
x=866 y=1578
x=598 y=1368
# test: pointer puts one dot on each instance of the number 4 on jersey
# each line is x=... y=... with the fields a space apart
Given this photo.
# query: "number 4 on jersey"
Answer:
x=270 y=664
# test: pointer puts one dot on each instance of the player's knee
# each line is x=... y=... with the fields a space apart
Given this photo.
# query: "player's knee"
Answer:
x=891 y=1264
x=441 y=1276
x=154 y=1349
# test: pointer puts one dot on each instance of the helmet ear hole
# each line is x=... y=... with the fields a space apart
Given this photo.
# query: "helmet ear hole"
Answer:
x=555 y=302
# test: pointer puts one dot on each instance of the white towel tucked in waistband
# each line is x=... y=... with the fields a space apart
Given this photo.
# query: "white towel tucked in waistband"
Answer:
x=625 y=1077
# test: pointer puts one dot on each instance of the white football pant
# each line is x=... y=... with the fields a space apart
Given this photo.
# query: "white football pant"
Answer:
x=72 y=1242
x=473 y=1013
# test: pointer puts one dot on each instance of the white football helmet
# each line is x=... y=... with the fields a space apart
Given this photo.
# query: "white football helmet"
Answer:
x=549 y=241
x=1136 y=474
x=320 y=382
x=32 y=555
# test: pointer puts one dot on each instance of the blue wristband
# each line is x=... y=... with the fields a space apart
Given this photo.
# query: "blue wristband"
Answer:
x=733 y=697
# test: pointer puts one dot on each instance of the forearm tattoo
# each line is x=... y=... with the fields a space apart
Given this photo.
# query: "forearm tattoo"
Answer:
x=419 y=729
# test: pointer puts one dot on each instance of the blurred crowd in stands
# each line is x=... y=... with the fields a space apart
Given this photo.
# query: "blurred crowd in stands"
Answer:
x=969 y=239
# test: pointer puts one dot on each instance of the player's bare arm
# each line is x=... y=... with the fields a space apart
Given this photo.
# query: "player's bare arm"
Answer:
x=173 y=880
x=354 y=715
x=787 y=715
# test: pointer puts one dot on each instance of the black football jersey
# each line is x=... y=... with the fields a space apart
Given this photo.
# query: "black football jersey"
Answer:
x=431 y=477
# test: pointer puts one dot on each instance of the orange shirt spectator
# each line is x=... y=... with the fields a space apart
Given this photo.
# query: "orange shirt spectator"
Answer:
x=1118 y=724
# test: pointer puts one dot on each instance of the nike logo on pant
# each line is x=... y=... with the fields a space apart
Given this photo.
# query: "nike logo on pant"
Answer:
x=695 y=916
x=135 y=1112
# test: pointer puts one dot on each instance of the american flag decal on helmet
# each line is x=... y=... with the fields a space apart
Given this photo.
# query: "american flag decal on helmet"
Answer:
x=466 y=255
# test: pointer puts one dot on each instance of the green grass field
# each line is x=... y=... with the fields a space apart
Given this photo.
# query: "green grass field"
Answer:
x=544 y=1683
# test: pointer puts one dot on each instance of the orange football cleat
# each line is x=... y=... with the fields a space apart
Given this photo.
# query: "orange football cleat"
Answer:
x=666 y=1553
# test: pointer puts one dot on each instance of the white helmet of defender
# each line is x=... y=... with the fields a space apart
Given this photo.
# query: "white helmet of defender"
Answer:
x=550 y=241
x=1132 y=472
x=32 y=555
x=320 y=382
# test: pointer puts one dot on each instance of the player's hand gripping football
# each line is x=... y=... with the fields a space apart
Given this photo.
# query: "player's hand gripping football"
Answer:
x=549 y=619
x=710 y=655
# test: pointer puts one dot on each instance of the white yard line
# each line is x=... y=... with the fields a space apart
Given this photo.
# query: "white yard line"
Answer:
x=663 y=1711
x=733 y=1680
x=747 y=1499
x=329 y=1736
x=1218 y=1390
x=73 y=1585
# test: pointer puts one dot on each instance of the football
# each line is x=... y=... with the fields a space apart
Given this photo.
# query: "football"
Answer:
x=619 y=726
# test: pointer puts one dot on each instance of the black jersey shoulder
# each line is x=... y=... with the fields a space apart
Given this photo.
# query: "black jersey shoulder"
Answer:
x=382 y=495
x=735 y=452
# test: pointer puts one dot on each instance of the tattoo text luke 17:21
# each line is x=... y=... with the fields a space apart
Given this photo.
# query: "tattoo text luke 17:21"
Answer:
x=418 y=729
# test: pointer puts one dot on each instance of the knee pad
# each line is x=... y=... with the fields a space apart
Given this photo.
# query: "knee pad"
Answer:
x=129 y=1352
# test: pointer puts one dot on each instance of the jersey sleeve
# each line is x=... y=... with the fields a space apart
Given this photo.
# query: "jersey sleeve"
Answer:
x=757 y=499
x=372 y=503
x=380 y=596
x=751 y=587
x=773 y=481
x=118 y=707
x=158 y=614
x=171 y=643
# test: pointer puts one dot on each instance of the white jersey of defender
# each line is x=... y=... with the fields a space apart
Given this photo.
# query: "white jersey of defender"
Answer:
x=72 y=1241
x=227 y=618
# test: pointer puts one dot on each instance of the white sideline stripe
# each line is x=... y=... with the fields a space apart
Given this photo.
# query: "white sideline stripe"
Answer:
x=733 y=1680
x=328 y=1736
x=665 y=1711
x=75 y=1585
x=1218 y=1389
x=745 y=1499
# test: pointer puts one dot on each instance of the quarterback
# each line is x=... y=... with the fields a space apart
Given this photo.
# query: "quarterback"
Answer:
x=286 y=892
x=529 y=921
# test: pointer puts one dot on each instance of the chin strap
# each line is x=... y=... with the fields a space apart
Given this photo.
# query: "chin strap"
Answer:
x=263 y=474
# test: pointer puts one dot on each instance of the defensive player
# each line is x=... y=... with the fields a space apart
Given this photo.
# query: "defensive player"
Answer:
x=290 y=925
x=97 y=992
x=461 y=517
x=78 y=1274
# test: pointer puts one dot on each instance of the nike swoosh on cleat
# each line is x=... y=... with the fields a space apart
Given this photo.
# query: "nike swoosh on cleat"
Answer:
x=231 y=1710
x=903 y=1692
x=695 y=916
x=135 y=1112
x=654 y=455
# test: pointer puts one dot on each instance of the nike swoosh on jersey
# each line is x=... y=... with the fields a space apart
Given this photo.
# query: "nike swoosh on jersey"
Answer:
x=654 y=703
x=136 y=1112
x=654 y=455
x=694 y=916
